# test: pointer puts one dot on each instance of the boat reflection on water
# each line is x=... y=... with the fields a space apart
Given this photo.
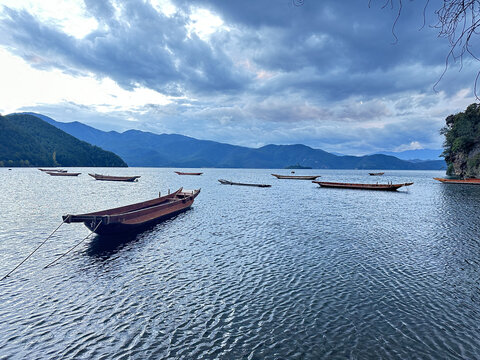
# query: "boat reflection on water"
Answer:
x=105 y=246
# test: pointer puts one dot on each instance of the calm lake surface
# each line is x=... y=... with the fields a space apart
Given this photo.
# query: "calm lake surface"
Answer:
x=288 y=272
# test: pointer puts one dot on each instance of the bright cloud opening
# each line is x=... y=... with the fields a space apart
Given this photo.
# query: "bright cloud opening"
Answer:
x=69 y=15
x=204 y=23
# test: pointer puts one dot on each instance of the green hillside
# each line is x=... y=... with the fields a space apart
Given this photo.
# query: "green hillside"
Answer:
x=26 y=140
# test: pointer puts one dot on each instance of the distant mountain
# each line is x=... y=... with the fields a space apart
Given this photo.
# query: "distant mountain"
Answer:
x=420 y=154
x=140 y=148
x=27 y=140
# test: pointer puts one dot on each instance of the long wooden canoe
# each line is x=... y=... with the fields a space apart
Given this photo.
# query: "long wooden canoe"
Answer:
x=114 y=178
x=226 y=182
x=135 y=217
x=459 y=181
x=376 y=174
x=53 y=170
x=385 y=187
x=62 y=173
x=296 y=177
x=188 y=173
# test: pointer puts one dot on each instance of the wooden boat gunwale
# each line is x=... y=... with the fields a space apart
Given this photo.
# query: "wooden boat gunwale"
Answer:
x=386 y=187
x=114 y=178
x=227 y=182
x=296 y=177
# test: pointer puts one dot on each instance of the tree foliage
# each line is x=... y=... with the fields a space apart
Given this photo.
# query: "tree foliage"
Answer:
x=462 y=140
x=25 y=140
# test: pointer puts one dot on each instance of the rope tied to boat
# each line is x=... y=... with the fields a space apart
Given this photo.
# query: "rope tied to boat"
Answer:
x=38 y=247
x=85 y=238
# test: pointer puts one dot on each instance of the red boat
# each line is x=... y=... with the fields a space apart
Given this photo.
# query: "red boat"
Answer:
x=133 y=218
x=114 y=178
x=459 y=181
x=385 y=187
x=188 y=173
x=296 y=177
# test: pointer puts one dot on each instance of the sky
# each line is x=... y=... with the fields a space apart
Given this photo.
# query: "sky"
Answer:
x=342 y=76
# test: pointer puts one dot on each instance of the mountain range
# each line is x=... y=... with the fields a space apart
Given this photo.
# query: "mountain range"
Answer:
x=415 y=155
x=139 y=148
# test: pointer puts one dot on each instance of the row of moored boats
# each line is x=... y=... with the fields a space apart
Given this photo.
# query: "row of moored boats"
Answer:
x=135 y=217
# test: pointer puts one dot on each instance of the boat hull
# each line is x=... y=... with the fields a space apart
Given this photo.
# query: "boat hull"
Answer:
x=136 y=217
x=226 y=182
x=459 y=181
x=127 y=229
x=381 y=187
x=53 y=170
x=186 y=173
x=114 y=178
x=296 y=177
x=62 y=174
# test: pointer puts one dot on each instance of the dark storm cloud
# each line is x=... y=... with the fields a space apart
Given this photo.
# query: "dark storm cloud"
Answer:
x=335 y=49
x=136 y=46
x=342 y=47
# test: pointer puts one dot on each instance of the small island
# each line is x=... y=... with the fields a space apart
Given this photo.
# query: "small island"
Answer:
x=297 y=166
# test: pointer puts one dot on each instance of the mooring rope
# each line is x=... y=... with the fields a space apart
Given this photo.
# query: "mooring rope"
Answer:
x=33 y=252
x=85 y=238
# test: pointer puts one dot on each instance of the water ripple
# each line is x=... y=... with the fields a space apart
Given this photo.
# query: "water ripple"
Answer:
x=293 y=271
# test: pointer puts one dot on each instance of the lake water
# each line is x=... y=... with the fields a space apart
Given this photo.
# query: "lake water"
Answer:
x=294 y=271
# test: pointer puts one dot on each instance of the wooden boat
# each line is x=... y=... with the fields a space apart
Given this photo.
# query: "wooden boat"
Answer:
x=62 y=173
x=135 y=217
x=459 y=181
x=385 y=187
x=188 y=173
x=376 y=174
x=53 y=170
x=114 y=178
x=226 y=182
x=296 y=177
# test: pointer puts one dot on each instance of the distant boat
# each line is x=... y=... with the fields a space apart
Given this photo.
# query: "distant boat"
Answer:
x=114 y=178
x=62 y=173
x=135 y=217
x=296 y=177
x=53 y=170
x=459 y=181
x=386 y=187
x=226 y=182
x=376 y=174
x=188 y=173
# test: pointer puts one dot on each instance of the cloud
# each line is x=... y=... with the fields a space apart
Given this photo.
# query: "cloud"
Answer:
x=135 y=45
x=330 y=74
